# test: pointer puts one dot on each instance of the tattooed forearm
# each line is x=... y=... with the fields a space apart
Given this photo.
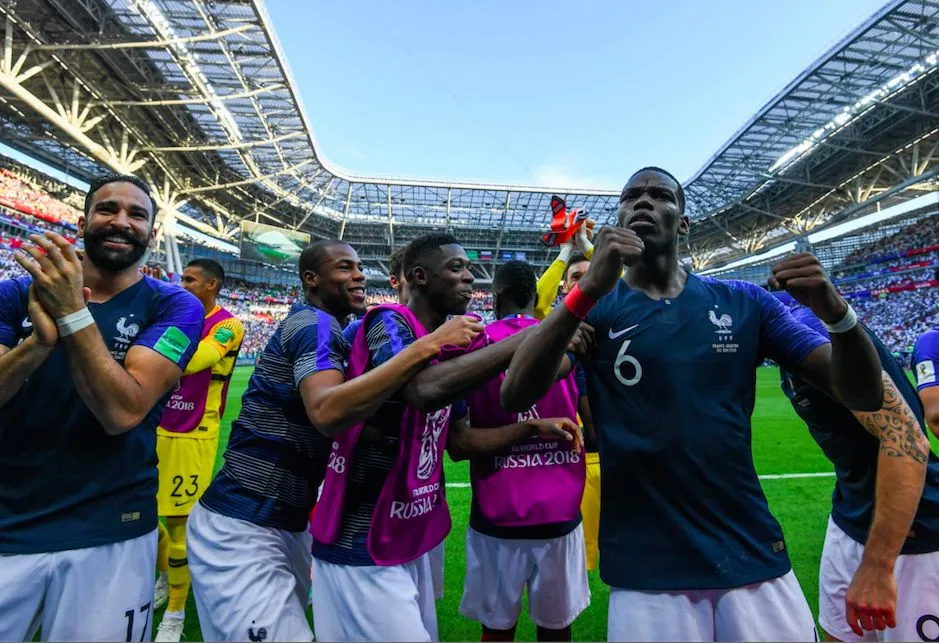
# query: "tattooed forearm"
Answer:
x=896 y=426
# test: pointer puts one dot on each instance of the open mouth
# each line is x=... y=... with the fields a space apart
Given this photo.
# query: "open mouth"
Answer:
x=357 y=292
x=117 y=242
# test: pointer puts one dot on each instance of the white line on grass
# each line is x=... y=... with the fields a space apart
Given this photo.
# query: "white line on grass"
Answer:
x=771 y=476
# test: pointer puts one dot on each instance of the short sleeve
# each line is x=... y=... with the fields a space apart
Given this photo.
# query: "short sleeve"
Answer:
x=783 y=338
x=925 y=359
x=387 y=335
x=226 y=335
x=176 y=325
x=12 y=311
x=314 y=342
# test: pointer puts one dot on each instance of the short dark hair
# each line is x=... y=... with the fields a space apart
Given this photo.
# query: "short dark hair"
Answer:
x=681 y=191
x=99 y=182
x=211 y=267
x=516 y=281
x=313 y=256
x=421 y=249
x=577 y=258
x=396 y=262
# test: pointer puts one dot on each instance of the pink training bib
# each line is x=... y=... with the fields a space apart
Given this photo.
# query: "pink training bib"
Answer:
x=411 y=516
x=186 y=406
x=540 y=480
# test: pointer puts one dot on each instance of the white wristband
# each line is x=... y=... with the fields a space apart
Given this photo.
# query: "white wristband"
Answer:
x=848 y=322
x=74 y=322
x=567 y=249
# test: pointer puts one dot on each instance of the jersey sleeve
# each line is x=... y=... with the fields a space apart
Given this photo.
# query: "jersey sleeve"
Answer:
x=314 y=342
x=925 y=359
x=783 y=338
x=12 y=311
x=175 y=326
x=387 y=335
x=580 y=376
x=224 y=337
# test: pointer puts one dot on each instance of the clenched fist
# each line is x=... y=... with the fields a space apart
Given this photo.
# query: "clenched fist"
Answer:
x=614 y=249
x=803 y=277
x=457 y=331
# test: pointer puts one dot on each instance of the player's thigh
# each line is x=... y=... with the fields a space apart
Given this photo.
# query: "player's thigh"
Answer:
x=372 y=603
x=660 y=616
x=185 y=468
x=23 y=584
x=773 y=610
x=102 y=593
x=917 y=599
x=246 y=578
x=497 y=571
x=841 y=556
x=558 y=590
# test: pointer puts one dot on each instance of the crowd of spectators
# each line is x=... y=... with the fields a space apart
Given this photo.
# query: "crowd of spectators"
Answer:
x=22 y=192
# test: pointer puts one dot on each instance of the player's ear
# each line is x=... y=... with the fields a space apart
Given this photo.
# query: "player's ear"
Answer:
x=684 y=225
x=81 y=226
x=311 y=279
x=419 y=276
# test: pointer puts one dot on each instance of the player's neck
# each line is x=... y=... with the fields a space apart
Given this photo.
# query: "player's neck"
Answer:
x=209 y=305
x=508 y=311
x=105 y=284
x=658 y=274
x=431 y=319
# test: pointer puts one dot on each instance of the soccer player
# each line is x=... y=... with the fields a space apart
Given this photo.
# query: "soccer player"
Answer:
x=89 y=352
x=187 y=438
x=687 y=542
x=880 y=563
x=525 y=526
x=249 y=550
x=925 y=360
x=578 y=251
x=373 y=527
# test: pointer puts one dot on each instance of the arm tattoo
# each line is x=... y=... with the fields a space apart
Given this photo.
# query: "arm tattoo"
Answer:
x=896 y=426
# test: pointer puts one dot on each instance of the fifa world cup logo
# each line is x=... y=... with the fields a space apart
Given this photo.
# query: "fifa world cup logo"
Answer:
x=434 y=424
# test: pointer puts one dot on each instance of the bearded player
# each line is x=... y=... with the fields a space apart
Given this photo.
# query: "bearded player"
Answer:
x=687 y=541
x=187 y=438
x=525 y=527
x=90 y=350
x=879 y=573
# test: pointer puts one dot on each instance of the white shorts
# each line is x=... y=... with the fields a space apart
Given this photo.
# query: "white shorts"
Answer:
x=774 y=610
x=248 y=581
x=436 y=568
x=498 y=571
x=917 y=578
x=374 y=603
x=102 y=593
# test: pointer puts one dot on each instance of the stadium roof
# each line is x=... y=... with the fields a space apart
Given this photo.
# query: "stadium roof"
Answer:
x=197 y=96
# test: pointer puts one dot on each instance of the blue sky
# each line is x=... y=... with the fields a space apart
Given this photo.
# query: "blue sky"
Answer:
x=559 y=94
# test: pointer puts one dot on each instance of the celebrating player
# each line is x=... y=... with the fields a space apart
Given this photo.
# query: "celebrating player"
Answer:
x=880 y=564
x=687 y=542
x=925 y=360
x=382 y=509
x=525 y=528
x=187 y=438
x=89 y=352
x=249 y=550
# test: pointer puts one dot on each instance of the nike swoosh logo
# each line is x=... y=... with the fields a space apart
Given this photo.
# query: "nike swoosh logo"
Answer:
x=620 y=333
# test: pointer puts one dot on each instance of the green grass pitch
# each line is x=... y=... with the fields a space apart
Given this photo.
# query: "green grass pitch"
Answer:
x=781 y=445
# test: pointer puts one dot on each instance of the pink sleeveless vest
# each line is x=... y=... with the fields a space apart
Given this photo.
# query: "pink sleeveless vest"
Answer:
x=535 y=482
x=411 y=516
x=186 y=405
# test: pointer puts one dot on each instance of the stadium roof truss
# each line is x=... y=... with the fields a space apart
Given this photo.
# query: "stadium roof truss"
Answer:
x=196 y=96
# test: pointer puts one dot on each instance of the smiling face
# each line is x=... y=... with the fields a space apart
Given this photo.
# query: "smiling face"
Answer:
x=338 y=281
x=446 y=279
x=118 y=227
x=651 y=207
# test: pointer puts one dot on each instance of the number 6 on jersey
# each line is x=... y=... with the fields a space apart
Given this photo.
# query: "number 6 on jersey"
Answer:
x=623 y=358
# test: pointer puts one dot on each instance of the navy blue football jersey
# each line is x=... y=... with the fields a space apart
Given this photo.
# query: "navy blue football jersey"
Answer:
x=64 y=482
x=854 y=452
x=672 y=386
